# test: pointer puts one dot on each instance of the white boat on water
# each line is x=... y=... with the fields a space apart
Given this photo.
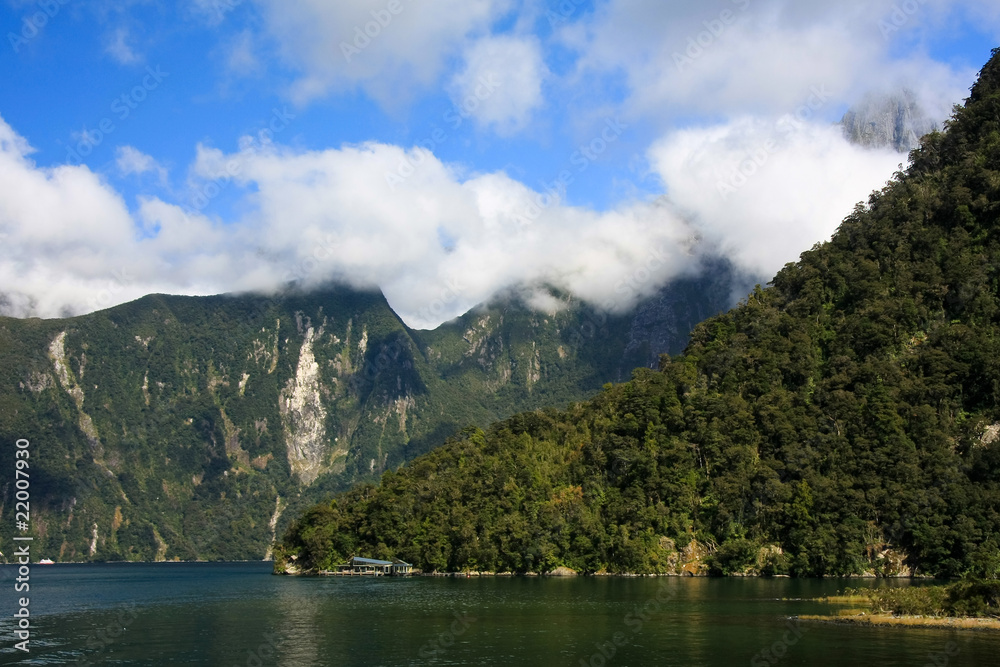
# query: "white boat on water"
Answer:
x=46 y=561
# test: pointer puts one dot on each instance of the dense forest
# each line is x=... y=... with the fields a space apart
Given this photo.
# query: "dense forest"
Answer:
x=193 y=428
x=844 y=420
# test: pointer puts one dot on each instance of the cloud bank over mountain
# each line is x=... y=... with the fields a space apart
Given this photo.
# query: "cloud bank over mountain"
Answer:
x=734 y=107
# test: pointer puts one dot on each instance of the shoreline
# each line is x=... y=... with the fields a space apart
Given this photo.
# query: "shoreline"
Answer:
x=142 y=562
x=564 y=574
x=620 y=575
x=888 y=620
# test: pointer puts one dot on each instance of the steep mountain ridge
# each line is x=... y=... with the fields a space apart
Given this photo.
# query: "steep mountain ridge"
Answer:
x=842 y=421
x=180 y=427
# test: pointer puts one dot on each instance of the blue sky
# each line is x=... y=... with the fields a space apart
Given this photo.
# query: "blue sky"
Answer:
x=458 y=149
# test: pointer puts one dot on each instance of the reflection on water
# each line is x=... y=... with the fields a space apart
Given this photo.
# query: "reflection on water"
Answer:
x=236 y=615
x=300 y=630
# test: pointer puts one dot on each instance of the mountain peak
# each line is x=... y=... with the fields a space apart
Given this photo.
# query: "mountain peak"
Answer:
x=883 y=120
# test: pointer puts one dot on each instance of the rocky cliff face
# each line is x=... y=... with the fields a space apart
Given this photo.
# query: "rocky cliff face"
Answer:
x=302 y=411
x=187 y=428
x=888 y=121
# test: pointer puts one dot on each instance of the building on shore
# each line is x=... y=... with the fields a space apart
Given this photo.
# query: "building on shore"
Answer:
x=375 y=568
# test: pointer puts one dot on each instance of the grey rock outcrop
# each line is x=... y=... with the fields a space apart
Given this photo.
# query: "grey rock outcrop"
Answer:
x=895 y=120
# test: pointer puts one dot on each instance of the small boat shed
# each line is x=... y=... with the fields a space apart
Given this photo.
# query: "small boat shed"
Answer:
x=375 y=568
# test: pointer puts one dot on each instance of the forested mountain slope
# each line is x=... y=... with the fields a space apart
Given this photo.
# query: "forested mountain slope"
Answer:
x=192 y=428
x=843 y=420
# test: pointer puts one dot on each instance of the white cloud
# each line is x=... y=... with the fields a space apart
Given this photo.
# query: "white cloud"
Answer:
x=130 y=160
x=70 y=244
x=445 y=239
x=241 y=56
x=389 y=48
x=501 y=83
x=330 y=215
x=763 y=192
x=213 y=12
x=320 y=216
x=756 y=56
x=118 y=47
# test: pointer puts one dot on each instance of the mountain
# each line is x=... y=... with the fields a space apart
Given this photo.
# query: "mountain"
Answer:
x=843 y=421
x=887 y=121
x=193 y=428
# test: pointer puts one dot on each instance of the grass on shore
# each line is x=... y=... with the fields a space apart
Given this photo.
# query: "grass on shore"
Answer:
x=962 y=605
x=909 y=621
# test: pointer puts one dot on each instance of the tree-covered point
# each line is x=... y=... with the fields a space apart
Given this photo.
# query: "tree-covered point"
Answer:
x=842 y=417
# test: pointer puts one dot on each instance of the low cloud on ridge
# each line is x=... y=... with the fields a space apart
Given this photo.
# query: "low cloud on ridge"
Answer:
x=438 y=243
x=757 y=180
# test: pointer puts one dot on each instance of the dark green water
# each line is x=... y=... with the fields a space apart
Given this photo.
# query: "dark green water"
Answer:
x=229 y=615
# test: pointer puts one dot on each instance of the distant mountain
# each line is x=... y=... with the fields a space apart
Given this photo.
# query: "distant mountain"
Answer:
x=888 y=121
x=843 y=421
x=190 y=428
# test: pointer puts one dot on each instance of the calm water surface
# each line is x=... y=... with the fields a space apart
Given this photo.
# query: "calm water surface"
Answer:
x=228 y=615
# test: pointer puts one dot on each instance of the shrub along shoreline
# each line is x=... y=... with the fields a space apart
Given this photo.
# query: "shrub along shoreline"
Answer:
x=963 y=605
